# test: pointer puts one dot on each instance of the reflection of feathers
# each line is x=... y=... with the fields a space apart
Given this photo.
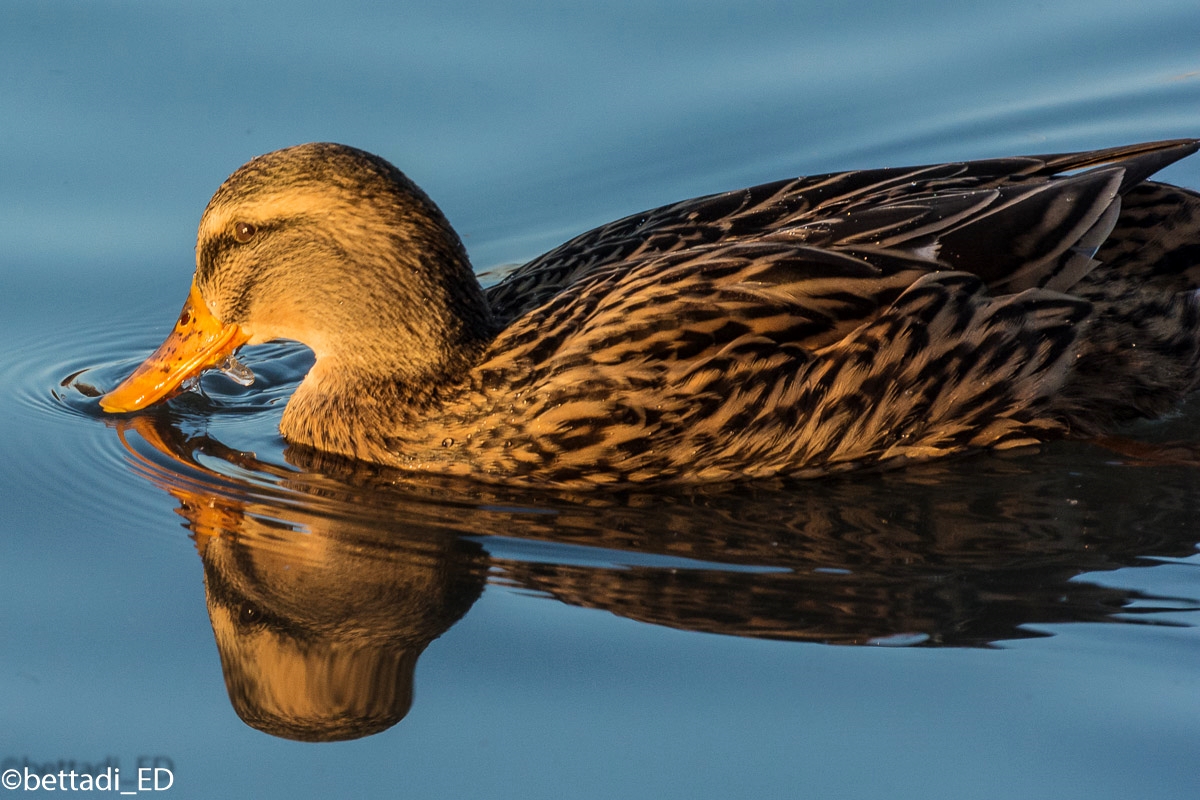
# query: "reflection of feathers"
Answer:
x=936 y=555
x=961 y=554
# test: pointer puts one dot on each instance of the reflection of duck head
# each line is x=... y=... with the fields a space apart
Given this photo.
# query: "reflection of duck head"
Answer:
x=319 y=636
x=319 y=622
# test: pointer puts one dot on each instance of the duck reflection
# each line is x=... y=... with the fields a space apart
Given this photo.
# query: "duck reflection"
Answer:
x=326 y=582
x=319 y=626
x=319 y=618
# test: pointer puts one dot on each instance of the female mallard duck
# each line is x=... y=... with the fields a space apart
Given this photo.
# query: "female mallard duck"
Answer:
x=798 y=327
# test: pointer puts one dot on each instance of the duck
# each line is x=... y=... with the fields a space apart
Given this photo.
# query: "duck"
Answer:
x=798 y=328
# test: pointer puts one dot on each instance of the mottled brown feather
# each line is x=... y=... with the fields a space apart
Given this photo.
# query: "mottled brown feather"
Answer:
x=799 y=327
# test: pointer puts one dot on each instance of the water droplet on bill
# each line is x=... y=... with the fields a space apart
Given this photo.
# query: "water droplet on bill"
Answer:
x=236 y=371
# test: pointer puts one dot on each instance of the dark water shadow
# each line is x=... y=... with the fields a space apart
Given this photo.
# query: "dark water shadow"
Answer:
x=325 y=582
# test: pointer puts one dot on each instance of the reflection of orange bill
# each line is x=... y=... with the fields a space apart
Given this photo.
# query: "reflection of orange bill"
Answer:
x=209 y=514
x=198 y=342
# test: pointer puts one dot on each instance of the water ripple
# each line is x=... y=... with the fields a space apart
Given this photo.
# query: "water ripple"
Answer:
x=55 y=388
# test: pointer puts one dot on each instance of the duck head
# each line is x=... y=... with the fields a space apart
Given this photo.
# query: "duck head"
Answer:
x=332 y=247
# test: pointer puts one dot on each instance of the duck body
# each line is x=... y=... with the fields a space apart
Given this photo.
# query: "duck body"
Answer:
x=795 y=328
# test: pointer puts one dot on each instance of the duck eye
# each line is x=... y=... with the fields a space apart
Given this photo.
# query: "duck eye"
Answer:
x=248 y=614
x=244 y=231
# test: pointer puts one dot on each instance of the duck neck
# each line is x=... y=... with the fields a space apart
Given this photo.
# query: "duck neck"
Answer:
x=395 y=330
x=347 y=409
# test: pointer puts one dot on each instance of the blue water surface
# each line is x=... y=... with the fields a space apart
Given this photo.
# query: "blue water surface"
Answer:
x=1020 y=626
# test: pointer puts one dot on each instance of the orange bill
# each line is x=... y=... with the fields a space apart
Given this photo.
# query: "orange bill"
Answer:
x=198 y=342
